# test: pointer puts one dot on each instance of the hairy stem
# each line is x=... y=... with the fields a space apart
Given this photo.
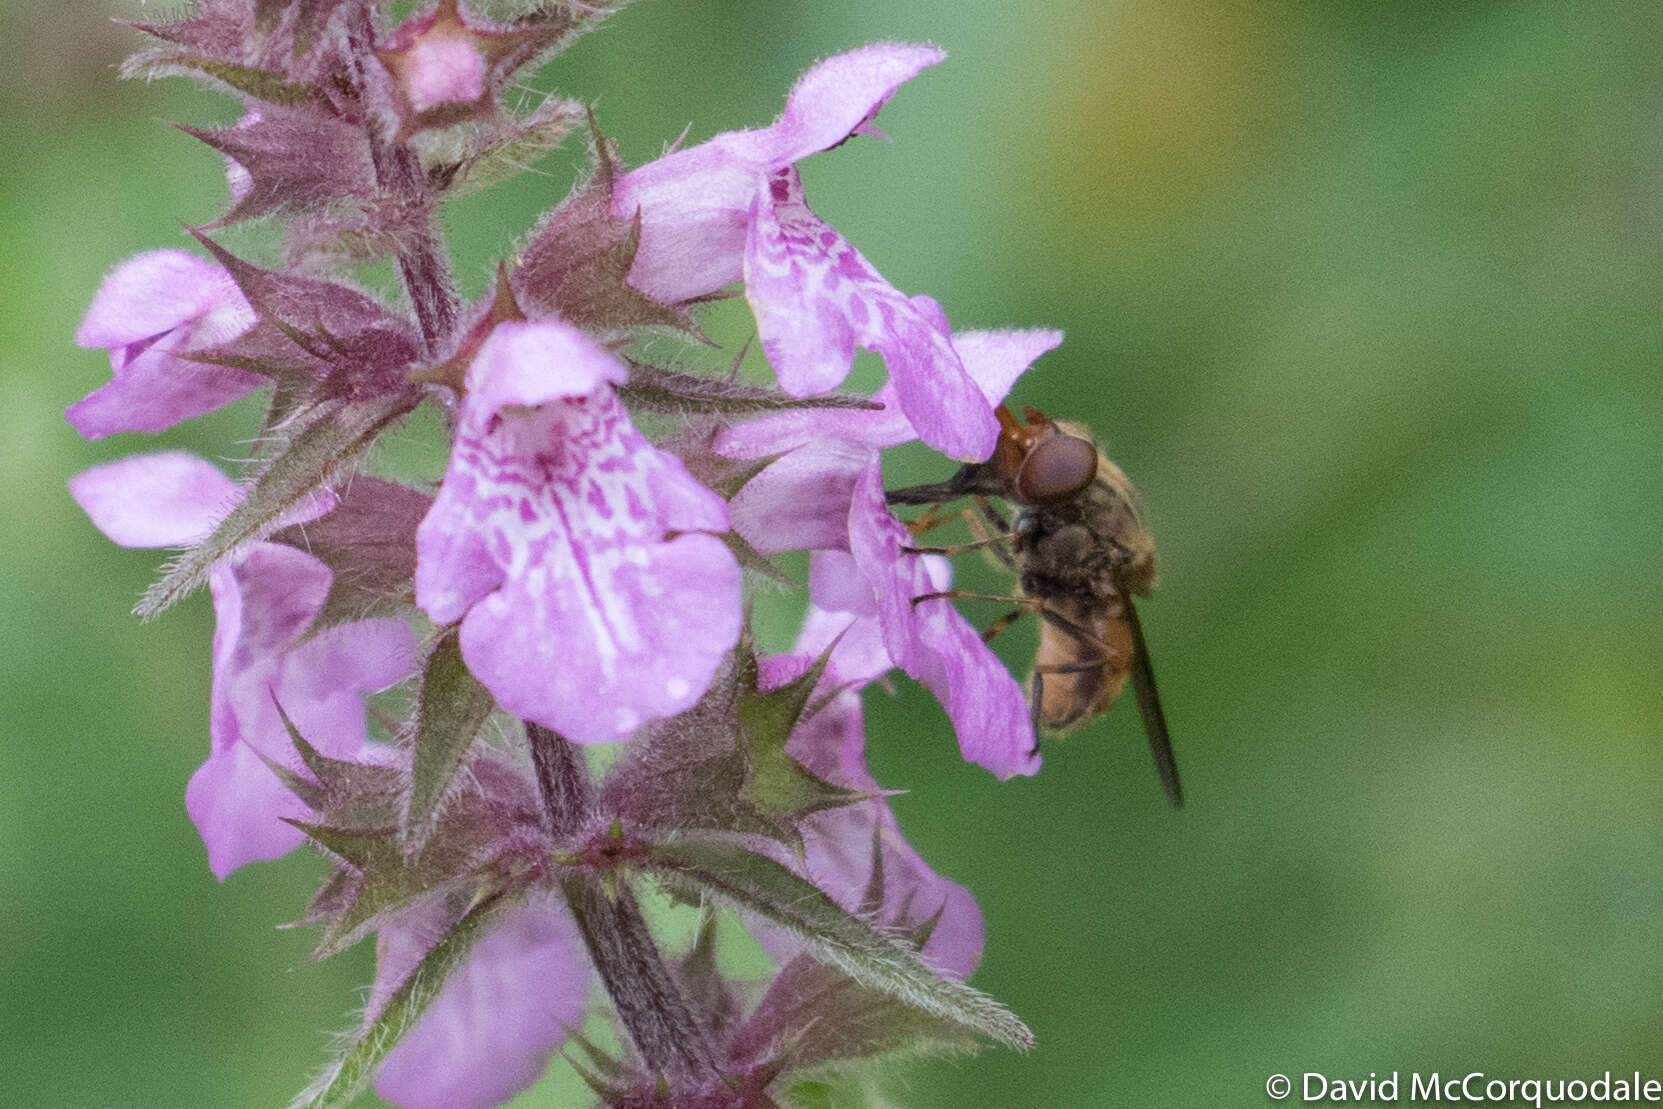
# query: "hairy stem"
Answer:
x=562 y=778
x=647 y=996
x=422 y=260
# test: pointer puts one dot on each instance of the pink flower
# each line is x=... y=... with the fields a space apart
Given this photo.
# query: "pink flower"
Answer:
x=499 y=1017
x=839 y=843
x=734 y=207
x=801 y=500
x=551 y=541
x=151 y=310
x=933 y=643
x=264 y=602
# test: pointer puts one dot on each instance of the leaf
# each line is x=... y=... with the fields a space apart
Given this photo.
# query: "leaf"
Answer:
x=452 y=709
x=262 y=84
x=347 y=795
x=814 y=1014
x=316 y=457
x=488 y=841
x=749 y=558
x=363 y=350
x=212 y=30
x=701 y=974
x=833 y=935
x=509 y=149
x=669 y=391
x=346 y=1076
x=369 y=543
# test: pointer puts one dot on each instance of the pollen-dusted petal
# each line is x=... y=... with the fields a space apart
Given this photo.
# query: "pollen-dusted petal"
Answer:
x=816 y=298
x=842 y=95
x=499 y=1018
x=934 y=644
x=550 y=531
x=166 y=499
x=263 y=604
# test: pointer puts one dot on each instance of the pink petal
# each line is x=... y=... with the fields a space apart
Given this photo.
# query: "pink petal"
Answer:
x=152 y=309
x=993 y=359
x=843 y=610
x=526 y=363
x=167 y=499
x=816 y=298
x=238 y=806
x=152 y=293
x=499 y=1017
x=550 y=533
x=441 y=69
x=694 y=204
x=263 y=605
x=936 y=645
x=839 y=843
x=801 y=501
x=842 y=95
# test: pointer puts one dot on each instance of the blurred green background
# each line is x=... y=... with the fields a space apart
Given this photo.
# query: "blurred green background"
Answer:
x=1365 y=297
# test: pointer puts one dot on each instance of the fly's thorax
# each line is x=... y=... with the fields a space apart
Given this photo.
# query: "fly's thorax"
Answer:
x=1111 y=509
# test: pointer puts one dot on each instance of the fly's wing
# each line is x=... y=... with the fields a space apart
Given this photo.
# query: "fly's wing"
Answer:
x=1149 y=705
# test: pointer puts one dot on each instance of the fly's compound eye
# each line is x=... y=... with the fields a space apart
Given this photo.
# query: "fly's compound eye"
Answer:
x=1057 y=468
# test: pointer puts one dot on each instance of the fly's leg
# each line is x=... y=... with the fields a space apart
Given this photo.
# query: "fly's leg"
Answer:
x=935 y=516
x=983 y=543
x=1002 y=623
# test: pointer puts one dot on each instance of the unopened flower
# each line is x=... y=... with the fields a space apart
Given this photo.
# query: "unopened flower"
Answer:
x=446 y=64
x=264 y=602
x=150 y=312
x=500 y=1016
x=734 y=207
x=574 y=551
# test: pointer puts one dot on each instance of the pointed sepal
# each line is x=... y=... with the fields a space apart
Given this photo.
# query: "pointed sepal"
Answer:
x=451 y=710
x=577 y=259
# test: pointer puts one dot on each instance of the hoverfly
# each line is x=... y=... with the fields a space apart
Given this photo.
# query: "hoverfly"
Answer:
x=1080 y=552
